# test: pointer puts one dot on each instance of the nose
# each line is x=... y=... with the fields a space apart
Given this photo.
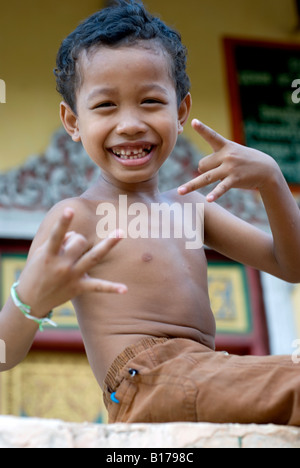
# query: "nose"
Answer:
x=130 y=123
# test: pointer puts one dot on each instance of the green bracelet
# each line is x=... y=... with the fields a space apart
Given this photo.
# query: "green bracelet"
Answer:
x=26 y=310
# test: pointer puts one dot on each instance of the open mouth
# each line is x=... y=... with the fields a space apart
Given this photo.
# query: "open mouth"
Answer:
x=126 y=153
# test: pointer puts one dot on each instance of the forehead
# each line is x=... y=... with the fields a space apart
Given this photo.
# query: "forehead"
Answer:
x=139 y=63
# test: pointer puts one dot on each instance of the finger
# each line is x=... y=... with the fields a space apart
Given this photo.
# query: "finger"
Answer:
x=75 y=245
x=215 y=140
x=210 y=162
x=59 y=231
x=202 y=181
x=101 y=286
x=67 y=236
x=97 y=253
x=223 y=187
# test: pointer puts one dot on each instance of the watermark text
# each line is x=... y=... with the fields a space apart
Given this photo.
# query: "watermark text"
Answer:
x=2 y=92
x=154 y=221
x=2 y=352
x=296 y=353
x=296 y=93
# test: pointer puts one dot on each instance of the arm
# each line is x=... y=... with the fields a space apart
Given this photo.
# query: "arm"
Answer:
x=239 y=167
x=56 y=271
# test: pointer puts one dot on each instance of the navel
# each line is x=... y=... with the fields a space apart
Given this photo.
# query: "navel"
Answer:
x=147 y=257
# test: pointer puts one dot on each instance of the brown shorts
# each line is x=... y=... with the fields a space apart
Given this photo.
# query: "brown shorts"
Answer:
x=167 y=380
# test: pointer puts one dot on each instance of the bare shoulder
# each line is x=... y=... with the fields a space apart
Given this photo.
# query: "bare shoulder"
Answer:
x=173 y=196
x=82 y=210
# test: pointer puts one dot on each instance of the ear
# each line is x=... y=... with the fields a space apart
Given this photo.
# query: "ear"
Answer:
x=184 y=112
x=70 y=121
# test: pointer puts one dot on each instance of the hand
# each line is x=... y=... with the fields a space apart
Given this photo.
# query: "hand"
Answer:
x=236 y=166
x=58 y=270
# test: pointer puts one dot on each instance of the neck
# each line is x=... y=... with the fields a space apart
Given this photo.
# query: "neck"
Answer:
x=112 y=188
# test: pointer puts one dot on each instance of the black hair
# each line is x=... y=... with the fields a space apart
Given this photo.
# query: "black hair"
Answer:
x=126 y=22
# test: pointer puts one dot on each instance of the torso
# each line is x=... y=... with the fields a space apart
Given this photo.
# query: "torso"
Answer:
x=167 y=295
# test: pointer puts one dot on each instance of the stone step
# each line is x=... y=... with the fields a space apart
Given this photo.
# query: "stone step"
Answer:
x=42 y=433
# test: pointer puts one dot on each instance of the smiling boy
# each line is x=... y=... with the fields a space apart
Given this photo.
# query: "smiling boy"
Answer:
x=122 y=75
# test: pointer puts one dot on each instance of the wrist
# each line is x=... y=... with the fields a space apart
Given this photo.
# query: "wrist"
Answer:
x=273 y=177
x=29 y=298
x=275 y=190
x=26 y=310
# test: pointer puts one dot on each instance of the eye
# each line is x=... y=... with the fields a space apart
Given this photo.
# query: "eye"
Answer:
x=152 y=101
x=105 y=105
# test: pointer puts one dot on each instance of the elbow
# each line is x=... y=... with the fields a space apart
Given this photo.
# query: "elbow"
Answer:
x=287 y=274
x=293 y=280
x=6 y=364
x=4 y=367
x=292 y=277
x=288 y=271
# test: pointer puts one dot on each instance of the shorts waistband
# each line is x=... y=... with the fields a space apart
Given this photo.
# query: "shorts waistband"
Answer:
x=129 y=353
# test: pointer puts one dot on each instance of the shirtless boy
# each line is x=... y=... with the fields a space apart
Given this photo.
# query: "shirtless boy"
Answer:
x=142 y=303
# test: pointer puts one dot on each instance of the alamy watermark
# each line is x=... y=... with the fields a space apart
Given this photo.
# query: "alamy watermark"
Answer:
x=2 y=352
x=2 y=92
x=296 y=93
x=155 y=221
x=296 y=353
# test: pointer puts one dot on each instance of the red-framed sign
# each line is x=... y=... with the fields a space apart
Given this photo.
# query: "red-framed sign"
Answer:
x=264 y=91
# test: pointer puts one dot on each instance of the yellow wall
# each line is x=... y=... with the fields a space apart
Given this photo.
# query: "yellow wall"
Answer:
x=30 y=34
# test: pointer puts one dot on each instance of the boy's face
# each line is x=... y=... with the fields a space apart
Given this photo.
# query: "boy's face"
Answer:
x=127 y=114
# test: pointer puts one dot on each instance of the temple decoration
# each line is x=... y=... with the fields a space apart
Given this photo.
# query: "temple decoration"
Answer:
x=64 y=170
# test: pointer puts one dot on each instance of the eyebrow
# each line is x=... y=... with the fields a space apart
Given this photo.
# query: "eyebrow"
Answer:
x=110 y=91
x=154 y=87
x=98 y=91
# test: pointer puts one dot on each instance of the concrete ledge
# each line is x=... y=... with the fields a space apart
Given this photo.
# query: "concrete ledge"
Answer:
x=37 y=433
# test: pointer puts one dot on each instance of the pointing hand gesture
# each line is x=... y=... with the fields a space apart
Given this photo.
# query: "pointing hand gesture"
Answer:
x=234 y=165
